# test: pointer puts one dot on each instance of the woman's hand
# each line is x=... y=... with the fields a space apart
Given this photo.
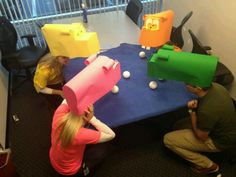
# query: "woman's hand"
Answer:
x=61 y=94
x=89 y=113
x=58 y=92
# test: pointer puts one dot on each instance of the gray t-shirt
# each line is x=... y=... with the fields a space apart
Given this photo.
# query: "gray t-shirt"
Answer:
x=216 y=114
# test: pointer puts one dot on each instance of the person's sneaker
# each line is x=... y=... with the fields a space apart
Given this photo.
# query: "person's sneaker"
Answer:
x=214 y=168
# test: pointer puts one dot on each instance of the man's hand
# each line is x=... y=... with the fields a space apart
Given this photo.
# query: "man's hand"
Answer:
x=192 y=104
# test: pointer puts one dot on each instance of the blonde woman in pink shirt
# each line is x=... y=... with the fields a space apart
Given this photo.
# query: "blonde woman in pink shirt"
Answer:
x=69 y=138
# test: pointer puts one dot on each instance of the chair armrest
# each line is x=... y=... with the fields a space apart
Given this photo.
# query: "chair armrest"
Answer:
x=29 y=38
x=12 y=55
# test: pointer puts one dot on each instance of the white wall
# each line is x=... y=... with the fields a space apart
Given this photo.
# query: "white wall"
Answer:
x=3 y=104
x=214 y=23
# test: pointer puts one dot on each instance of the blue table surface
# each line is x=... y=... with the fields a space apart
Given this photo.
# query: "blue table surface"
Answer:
x=135 y=100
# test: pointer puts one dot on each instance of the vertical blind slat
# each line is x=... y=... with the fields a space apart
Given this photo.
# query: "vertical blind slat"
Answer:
x=22 y=42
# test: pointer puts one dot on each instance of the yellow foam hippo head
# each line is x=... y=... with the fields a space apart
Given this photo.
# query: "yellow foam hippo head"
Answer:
x=70 y=40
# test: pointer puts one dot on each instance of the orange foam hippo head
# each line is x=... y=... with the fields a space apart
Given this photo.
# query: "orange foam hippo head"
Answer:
x=156 y=29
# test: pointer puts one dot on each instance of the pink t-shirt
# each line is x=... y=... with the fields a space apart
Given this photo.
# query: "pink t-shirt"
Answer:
x=68 y=161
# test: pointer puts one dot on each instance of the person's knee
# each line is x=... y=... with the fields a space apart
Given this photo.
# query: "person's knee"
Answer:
x=168 y=139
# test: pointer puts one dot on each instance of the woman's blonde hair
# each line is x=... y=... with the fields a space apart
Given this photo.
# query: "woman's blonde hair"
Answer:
x=52 y=62
x=67 y=127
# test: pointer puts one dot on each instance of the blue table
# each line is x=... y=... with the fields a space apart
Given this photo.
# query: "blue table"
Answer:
x=135 y=100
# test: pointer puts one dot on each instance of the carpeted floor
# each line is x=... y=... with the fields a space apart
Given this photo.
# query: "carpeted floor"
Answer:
x=139 y=150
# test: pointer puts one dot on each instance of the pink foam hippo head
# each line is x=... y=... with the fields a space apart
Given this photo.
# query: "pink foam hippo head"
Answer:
x=93 y=82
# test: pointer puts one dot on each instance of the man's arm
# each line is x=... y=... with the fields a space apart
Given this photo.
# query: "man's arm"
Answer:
x=200 y=134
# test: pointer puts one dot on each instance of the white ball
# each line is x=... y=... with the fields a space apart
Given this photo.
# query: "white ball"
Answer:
x=126 y=74
x=142 y=54
x=115 y=89
x=153 y=84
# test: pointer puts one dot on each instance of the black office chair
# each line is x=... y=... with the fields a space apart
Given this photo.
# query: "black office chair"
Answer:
x=134 y=9
x=176 y=36
x=16 y=60
x=223 y=75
